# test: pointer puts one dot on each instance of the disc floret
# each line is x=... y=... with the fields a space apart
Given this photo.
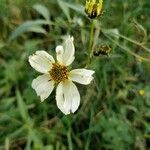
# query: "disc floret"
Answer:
x=58 y=73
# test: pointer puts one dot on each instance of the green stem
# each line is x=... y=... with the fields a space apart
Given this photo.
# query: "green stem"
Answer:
x=90 y=49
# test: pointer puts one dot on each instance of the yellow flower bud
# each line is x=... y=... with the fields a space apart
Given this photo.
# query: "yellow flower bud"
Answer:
x=93 y=9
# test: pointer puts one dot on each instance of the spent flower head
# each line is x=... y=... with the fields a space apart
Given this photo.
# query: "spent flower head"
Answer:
x=93 y=8
x=56 y=73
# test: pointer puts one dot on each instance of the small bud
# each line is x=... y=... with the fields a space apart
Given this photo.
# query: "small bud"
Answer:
x=93 y=9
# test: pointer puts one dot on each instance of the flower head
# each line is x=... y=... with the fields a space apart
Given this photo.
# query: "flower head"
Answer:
x=93 y=9
x=56 y=73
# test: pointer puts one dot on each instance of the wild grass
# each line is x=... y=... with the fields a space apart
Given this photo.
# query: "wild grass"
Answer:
x=113 y=114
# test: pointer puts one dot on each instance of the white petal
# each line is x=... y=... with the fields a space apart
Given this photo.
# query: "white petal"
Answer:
x=60 y=52
x=82 y=76
x=41 y=61
x=67 y=97
x=69 y=51
x=43 y=53
x=43 y=86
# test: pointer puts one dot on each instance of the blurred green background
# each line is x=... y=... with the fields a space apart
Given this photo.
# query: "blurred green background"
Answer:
x=114 y=113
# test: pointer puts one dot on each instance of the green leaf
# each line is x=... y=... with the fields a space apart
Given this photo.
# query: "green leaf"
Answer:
x=22 y=107
x=69 y=140
x=37 y=29
x=49 y=147
x=78 y=8
x=64 y=8
x=142 y=30
x=26 y=27
x=2 y=45
x=42 y=10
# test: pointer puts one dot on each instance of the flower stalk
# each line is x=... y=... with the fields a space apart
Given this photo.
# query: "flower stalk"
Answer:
x=90 y=48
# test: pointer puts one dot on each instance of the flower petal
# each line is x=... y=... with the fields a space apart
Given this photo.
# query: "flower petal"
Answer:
x=69 y=50
x=41 y=61
x=67 y=97
x=43 y=86
x=60 y=52
x=82 y=76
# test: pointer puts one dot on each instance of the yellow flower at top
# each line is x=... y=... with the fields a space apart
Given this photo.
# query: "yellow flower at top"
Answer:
x=93 y=8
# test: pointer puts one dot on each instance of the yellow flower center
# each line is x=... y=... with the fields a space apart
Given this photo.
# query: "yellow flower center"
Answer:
x=58 y=73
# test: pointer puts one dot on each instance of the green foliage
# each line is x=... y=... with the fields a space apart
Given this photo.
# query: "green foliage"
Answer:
x=113 y=115
x=42 y=10
x=30 y=26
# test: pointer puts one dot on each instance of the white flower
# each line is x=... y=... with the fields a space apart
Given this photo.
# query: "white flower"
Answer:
x=57 y=73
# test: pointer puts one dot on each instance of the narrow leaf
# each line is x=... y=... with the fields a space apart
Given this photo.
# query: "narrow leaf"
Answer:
x=26 y=27
x=42 y=10
x=22 y=107
x=76 y=7
x=37 y=29
x=64 y=8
